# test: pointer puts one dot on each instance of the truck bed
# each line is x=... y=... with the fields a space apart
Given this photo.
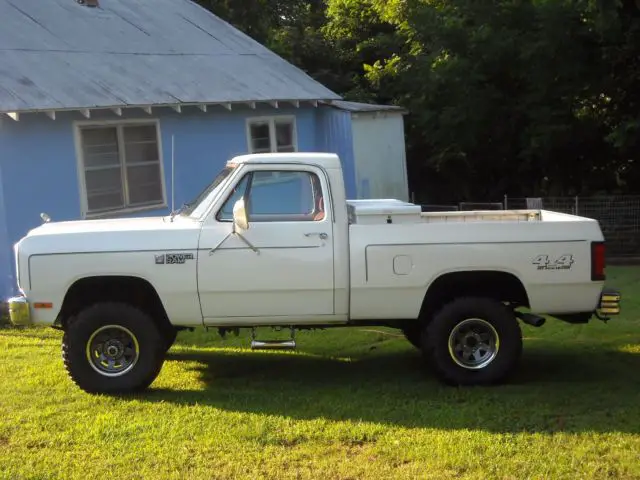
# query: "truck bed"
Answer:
x=397 y=251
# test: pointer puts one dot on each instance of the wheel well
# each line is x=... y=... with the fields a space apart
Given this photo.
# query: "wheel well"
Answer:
x=132 y=290
x=501 y=286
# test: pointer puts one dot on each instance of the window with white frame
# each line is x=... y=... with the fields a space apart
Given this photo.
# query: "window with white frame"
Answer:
x=272 y=134
x=277 y=196
x=121 y=166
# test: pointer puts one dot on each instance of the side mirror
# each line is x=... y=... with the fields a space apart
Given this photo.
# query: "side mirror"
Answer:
x=240 y=221
x=240 y=224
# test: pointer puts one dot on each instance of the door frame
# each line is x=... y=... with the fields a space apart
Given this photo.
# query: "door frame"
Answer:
x=211 y=221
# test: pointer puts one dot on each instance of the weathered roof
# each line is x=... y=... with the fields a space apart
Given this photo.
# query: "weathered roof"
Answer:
x=58 y=54
x=365 y=107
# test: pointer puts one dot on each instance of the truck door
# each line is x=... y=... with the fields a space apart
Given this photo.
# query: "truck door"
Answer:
x=291 y=272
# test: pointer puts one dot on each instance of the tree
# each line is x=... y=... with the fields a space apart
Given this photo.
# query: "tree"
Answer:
x=525 y=97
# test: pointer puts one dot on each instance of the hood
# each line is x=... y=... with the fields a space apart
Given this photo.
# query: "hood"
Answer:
x=106 y=225
x=112 y=235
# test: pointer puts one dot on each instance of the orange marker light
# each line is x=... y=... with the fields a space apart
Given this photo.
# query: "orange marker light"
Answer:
x=43 y=305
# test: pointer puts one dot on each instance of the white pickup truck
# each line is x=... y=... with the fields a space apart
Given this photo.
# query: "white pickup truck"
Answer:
x=273 y=241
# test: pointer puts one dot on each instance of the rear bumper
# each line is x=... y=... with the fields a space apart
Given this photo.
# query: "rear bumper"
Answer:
x=19 y=311
x=609 y=304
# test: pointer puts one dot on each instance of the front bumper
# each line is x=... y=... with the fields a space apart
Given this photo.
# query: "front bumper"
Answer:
x=19 y=311
x=609 y=304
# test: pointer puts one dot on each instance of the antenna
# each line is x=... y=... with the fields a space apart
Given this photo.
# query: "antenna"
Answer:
x=173 y=149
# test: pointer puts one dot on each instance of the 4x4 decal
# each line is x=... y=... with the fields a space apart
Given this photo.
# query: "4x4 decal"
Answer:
x=563 y=262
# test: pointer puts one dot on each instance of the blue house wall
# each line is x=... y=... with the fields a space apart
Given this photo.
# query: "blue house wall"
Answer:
x=39 y=168
x=334 y=135
x=6 y=258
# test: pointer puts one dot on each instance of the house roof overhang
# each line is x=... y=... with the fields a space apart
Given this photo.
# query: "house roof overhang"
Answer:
x=177 y=107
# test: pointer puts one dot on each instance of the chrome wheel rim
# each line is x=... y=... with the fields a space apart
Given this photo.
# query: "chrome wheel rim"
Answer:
x=473 y=343
x=112 y=350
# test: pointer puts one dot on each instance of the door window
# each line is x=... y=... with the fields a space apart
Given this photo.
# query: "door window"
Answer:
x=278 y=196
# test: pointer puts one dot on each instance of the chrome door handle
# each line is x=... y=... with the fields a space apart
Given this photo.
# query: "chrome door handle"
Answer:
x=322 y=235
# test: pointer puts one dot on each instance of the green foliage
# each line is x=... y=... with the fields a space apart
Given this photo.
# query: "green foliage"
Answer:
x=525 y=97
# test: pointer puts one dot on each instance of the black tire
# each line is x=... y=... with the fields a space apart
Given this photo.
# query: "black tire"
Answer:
x=414 y=335
x=468 y=324
x=121 y=328
x=170 y=335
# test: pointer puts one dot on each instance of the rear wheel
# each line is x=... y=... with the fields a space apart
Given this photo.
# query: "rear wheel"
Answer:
x=473 y=341
x=414 y=335
x=112 y=348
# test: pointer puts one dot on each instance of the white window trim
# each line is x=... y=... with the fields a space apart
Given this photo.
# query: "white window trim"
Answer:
x=84 y=207
x=272 y=131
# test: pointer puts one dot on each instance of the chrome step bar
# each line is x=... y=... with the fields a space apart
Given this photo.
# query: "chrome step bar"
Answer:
x=289 y=344
x=273 y=344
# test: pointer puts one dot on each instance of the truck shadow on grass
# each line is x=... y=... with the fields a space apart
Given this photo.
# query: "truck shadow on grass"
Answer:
x=579 y=390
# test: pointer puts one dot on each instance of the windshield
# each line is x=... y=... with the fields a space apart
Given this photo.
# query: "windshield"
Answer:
x=196 y=207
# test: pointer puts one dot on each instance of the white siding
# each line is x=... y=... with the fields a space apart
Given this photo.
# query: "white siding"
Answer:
x=380 y=156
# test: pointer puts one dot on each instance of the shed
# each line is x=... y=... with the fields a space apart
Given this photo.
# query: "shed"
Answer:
x=378 y=148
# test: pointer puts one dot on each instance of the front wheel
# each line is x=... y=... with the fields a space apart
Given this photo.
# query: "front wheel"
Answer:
x=473 y=341
x=112 y=348
x=169 y=336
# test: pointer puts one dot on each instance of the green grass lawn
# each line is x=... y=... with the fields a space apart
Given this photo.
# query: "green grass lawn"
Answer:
x=350 y=403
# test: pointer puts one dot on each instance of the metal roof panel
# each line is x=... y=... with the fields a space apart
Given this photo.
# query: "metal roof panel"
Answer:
x=59 y=54
x=365 y=107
